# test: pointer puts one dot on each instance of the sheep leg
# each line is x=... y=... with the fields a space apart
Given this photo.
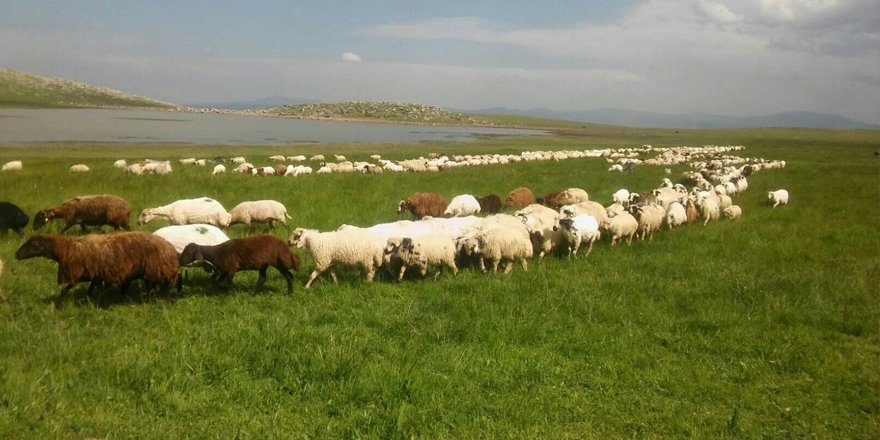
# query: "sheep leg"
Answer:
x=590 y=248
x=312 y=277
x=402 y=271
x=525 y=264
x=62 y=293
x=229 y=277
x=423 y=270
x=333 y=275
x=508 y=266
x=495 y=265
x=370 y=273
x=262 y=278
x=287 y=276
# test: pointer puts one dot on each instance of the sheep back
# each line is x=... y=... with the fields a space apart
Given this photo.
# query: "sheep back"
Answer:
x=92 y=210
x=422 y=204
x=519 y=198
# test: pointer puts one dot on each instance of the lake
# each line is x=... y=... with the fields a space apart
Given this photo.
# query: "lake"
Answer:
x=137 y=126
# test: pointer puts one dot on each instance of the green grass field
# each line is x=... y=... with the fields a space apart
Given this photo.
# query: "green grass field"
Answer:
x=764 y=327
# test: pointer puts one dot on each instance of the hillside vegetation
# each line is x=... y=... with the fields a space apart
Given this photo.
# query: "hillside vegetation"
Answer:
x=20 y=89
x=379 y=111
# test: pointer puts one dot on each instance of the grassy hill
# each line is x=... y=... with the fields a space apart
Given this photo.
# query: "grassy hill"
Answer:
x=20 y=89
x=379 y=111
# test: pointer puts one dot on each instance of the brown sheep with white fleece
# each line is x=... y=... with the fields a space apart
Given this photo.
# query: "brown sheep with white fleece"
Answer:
x=422 y=204
x=250 y=253
x=519 y=198
x=93 y=210
x=117 y=258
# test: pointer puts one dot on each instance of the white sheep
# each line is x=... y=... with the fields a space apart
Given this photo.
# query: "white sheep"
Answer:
x=324 y=170
x=135 y=168
x=732 y=212
x=219 y=169
x=350 y=247
x=79 y=168
x=619 y=226
x=157 y=167
x=501 y=243
x=430 y=250
x=121 y=164
x=778 y=197
x=259 y=211
x=189 y=211
x=540 y=221
x=650 y=218
x=238 y=160
x=577 y=230
x=277 y=158
x=181 y=235
x=297 y=158
x=202 y=162
x=14 y=165
x=462 y=205
x=676 y=215
x=317 y=158
x=616 y=168
x=187 y=161
x=599 y=212
x=621 y=197
x=709 y=209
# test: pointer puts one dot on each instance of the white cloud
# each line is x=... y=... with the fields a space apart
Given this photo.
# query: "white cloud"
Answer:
x=718 y=12
x=351 y=57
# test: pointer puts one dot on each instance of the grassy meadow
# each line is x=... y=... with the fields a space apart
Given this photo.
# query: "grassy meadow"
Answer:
x=763 y=327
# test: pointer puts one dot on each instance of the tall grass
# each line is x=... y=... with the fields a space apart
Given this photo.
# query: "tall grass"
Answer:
x=762 y=327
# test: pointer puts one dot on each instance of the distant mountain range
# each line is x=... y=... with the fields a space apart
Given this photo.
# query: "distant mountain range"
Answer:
x=632 y=118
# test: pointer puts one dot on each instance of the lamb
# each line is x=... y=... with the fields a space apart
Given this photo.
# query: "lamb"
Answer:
x=121 y=164
x=622 y=225
x=259 y=211
x=189 y=211
x=676 y=215
x=650 y=218
x=778 y=197
x=79 y=168
x=568 y=196
x=500 y=243
x=422 y=252
x=112 y=259
x=577 y=230
x=519 y=198
x=691 y=211
x=219 y=169
x=732 y=212
x=616 y=168
x=181 y=235
x=201 y=162
x=14 y=165
x=422 y=204
x=351 y=247
x=489 y=204
x=12 y=217
x=249 y=253
x=92 y=210
x=462 y=205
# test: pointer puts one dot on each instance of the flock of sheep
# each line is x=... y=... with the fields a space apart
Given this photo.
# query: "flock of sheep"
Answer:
x=440 y=236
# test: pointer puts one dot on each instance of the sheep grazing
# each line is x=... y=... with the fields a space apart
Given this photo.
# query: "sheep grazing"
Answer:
x=732 y=212
x=569 y=196
x=462 y=205
x=709 y=209
x=189 y=211
x=422 y=252
x=317 y=158
x=12 y=217
x=350 y=247
x=277 y=158
x=489 y=204
x=109 y=259
x=219 y=169
x=120 y=164
x=422 y=204
x=501 y=243
x=650 y=218
x=14 y=165
x=79 y=168
x=181 y=235
x=94 y=210
x=778 y=197
x=519 y=198
x=578 y=230
x=622 y=225
x=259 y=211
x=249 y=253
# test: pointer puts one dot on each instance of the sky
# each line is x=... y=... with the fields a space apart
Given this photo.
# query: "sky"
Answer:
x=724 y=57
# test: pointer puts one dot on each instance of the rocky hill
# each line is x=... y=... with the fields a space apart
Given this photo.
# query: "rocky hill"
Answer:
x=20 y=89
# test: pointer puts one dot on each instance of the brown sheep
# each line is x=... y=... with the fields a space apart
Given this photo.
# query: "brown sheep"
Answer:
x=251 y=253
x=489 y=204
x=422 y=204
x=558 y=199
x=97 y=210
x=280 y=170
x=519 y=198
x=118 y=258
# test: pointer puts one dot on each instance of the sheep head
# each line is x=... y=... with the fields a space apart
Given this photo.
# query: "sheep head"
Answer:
x=392 y=245
x=42 y=217
x=36 y=246
x=146 y=216
x=403 y=206
x=192 y=254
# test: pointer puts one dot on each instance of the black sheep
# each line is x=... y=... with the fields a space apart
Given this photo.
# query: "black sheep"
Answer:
x=12 y=217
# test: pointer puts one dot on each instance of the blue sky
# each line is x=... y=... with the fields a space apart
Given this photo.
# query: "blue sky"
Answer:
x=731 y=57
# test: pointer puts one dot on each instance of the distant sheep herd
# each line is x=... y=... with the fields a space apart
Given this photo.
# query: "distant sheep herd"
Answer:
x=442 y=235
